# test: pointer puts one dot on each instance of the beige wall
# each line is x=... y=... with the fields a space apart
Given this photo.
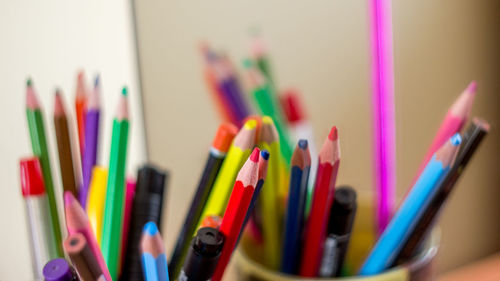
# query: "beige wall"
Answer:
x=321 y=48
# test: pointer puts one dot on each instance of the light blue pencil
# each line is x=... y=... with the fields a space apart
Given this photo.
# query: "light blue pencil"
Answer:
x=401 y=226
x=154 y=260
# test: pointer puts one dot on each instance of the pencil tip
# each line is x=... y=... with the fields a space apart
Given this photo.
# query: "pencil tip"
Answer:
x=29 y=82
x=58 y=104
x=255 y=155
x=124 y=91
x=247 y=63
x=80 y=76
x=456 y=139
x=68 y=198
x=264 y=154
x=472 y=87
x=333 y=134
x=302 y=144
x=150 y=228
x=96 y=81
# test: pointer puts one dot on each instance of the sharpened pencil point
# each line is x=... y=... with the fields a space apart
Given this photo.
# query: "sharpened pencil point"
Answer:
x=247 y=63
x=472 y=87
x=456 y=139
x=96 y=81
x=124 y=91
x=29 y=82
x=333 y=134
x=150 y=228
x=255 y=155
x=264 y=154
x=69 y=198
x=302 y=144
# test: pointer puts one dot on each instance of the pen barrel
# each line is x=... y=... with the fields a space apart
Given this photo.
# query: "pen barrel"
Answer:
x=40 y=225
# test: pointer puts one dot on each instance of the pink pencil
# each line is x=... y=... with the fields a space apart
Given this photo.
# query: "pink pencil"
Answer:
x=129 y=197
x=78 y=222
x=455 y=119
x=384 y=131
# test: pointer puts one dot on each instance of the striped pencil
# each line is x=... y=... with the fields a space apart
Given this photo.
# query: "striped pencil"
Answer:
x=80 y=105
x=240 y=199
x=324 y=190
x=115 y=190
x=297 y=197
x=154 y=260
x=78 y=222
x=238 y=152
x=270 y=198
x=40 y=150
x=453 y=122
x=64 y=146
x=401 y=226
x=91 y=140
x=220 y=145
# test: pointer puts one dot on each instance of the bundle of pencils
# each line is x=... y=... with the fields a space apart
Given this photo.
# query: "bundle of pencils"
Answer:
x=104 y=217
x=302 y=222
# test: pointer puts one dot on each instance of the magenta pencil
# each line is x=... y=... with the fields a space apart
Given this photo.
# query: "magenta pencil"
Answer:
x=384 y=145
x=129 y=198
x=78 y=222
x=453 y=122
x=91 y=141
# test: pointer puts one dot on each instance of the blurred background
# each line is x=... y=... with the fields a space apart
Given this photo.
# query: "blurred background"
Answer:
x=319 y=48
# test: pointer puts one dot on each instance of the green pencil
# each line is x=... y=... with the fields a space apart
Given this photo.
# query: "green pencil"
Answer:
x=114 y=205
x=39 y=145
x=267 y=105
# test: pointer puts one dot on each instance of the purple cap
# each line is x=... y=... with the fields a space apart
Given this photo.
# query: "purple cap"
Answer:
x=57 y=270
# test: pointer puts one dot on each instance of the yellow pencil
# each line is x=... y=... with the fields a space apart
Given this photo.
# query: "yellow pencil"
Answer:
x=270 y=194
x=238 y=153
x=95 y=202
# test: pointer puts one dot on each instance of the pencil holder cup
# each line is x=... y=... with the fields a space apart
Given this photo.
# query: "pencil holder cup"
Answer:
x=248 y=256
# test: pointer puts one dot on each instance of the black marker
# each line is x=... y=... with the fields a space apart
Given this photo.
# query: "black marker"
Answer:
x=203 y=255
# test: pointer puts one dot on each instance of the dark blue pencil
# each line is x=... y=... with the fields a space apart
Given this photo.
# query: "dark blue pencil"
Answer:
x=294 y=221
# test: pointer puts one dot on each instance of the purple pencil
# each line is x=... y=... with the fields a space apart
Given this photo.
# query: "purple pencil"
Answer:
x=384 y=136
x=91 y=141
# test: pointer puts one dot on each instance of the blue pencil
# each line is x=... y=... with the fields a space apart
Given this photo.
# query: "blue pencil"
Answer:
x=154 y=260
x=294 y=221
x=401 y=226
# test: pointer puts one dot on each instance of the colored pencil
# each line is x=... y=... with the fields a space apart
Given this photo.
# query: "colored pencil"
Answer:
x=39 y=146
x=453 y=122
x=237 y=208
x=237 y=154
x=82 y=257
x=263 y=164
x=383 y=117
x=154 y=260
x=324 y=190
x=95 y=202
x=129 y=200
x=43 y=244
x=64 y=146
x=91 y=140
x=267 y=105
x=472 y=139
x=401 y=226
x=147 y=206
x=297 y=197
x=78 y=222
x=220 y=146
x=258 y=50
x=271 y=223
x=80 y=109
x=211 y=221
x=115 y=190
x=59 y=270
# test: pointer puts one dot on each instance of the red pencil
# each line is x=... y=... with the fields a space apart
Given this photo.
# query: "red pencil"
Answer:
x=80 y=109
x=236 y=210
x=324 y=190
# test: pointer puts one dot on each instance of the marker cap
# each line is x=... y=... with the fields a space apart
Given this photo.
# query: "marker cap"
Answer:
x=224 y=137
x=57 y=270
x=31 y=177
